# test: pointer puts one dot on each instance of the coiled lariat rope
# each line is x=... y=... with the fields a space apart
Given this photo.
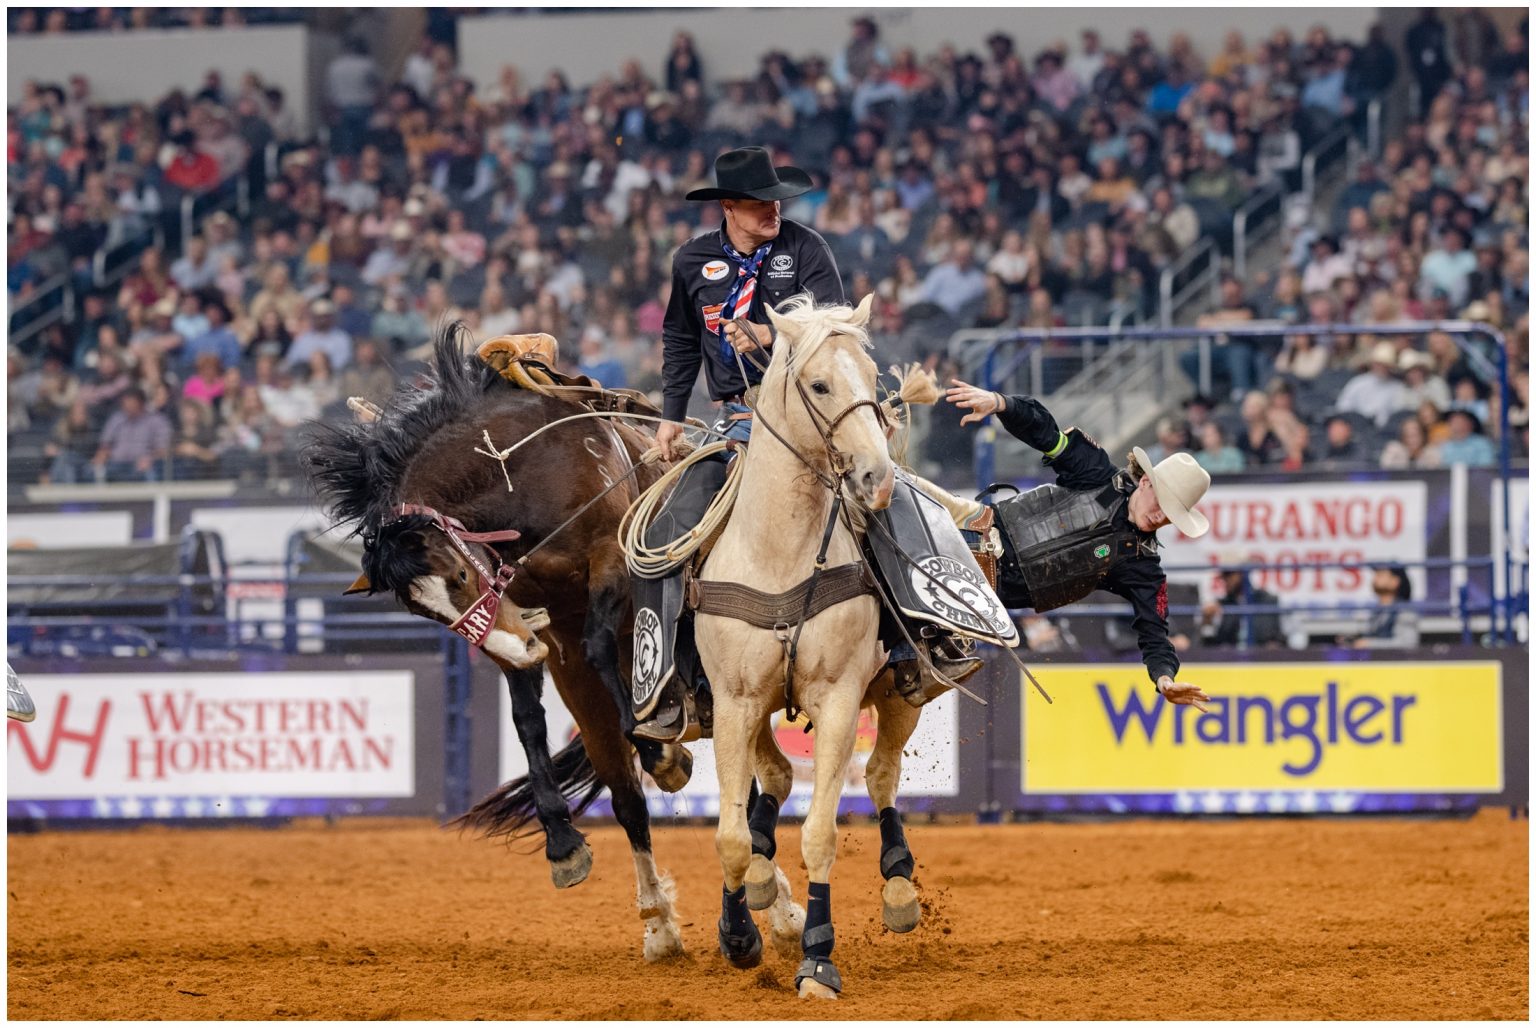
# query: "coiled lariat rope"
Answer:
x=657 y=561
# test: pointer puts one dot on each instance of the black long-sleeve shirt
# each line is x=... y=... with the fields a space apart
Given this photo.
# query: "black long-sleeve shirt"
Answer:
x=1080 y=463
x=702 y=275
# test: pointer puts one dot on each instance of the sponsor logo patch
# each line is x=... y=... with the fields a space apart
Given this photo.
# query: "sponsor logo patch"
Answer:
x=1101 y=552
x=958 y=595
x=712 y=317
x=648 y=655
x=782 y=266
x=714 y=271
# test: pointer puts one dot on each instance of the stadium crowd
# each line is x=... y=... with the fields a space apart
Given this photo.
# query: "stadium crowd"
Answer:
x=989 y=189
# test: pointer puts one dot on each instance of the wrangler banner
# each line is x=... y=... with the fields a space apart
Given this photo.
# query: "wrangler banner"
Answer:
x=1374 y=727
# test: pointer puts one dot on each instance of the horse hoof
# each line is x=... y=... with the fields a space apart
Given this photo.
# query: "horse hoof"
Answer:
x=762 y=885
x=810 y=989
x=743 y=951
x=817 y=978
x=674 y=770
x=662 y=942
x=901 y=910
x=572 y=870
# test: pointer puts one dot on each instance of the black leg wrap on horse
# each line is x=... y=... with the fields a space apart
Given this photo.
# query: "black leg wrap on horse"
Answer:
x=740 y=941
x=895 y=858
x=764 y=823
x=816 y=940
x=819 y=971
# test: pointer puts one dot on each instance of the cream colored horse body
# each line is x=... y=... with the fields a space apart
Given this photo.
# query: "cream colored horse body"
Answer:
x=770 y=544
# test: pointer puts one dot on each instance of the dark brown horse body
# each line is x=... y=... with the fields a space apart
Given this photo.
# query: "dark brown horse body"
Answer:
x=422 y=451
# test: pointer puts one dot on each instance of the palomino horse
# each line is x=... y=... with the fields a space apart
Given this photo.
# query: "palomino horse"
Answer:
x=397 y=480
x=819 y=434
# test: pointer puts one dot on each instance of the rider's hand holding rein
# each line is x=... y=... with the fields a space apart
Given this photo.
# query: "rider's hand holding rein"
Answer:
x=760 y=337
x=978 y=401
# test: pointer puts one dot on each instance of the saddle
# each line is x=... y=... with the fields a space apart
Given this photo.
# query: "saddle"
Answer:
x=529 y=362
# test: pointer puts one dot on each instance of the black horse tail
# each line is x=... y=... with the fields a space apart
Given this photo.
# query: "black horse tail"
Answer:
x=512 y=810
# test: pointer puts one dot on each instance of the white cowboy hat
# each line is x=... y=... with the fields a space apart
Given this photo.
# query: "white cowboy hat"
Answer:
x=1179 y=483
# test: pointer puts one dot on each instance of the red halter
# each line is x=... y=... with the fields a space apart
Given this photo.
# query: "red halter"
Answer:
x=476 y=623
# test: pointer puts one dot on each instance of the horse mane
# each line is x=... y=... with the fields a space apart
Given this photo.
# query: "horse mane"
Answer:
x=815 y=324
x=356 y=467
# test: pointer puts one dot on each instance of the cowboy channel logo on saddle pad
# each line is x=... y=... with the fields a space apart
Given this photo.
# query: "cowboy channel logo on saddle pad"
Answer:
x=942 y=582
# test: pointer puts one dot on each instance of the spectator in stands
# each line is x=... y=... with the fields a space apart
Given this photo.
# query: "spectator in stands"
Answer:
x=367 y=376
x=1420 y=382
x=1216 y=455
x=71 y=445
x=321 y=336
x=189 y=168
x=206 y=384
x=1342 y=449
x=194 y=453
x=1375 y=393
x=1411 y=448
x=1257 y=442
x=218 y=339
x=351 y=88
x=1240 y=631
x=957 y=282
x=1390 y=625
x=1448 y=267
x=1326 y=267
x=133 y=442
x=1467 y=444
x=1427 y=58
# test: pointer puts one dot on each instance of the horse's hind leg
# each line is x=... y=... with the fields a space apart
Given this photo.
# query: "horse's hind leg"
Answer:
x=671 y=765
x=613 y=762
x=836 y=714
x=569 y=857
x=737 y=722
x=897 y=722
x=776 y=777
x=767 y=886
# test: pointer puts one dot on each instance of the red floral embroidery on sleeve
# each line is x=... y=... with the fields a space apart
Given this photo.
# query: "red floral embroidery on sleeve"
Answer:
x=1162 y=600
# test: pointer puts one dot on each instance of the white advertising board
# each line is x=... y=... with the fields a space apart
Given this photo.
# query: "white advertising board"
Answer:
x=290 y=734
x=63 y=531
x=930 y=763
x=1297 y=526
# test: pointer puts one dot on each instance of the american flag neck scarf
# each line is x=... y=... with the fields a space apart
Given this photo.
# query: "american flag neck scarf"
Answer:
x=739 y=300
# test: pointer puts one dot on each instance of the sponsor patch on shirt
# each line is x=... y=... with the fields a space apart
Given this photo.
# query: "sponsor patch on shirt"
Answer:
x=782 y=266
x=714 y=271
x=712 y=317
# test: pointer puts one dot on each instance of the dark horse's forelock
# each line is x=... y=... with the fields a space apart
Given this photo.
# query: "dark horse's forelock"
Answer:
x=356 y=468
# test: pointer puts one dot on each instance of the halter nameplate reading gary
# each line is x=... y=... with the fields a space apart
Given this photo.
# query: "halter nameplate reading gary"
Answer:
x=476 y=623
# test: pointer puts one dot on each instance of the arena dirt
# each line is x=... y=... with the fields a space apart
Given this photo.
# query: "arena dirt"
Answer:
x=1378 y=919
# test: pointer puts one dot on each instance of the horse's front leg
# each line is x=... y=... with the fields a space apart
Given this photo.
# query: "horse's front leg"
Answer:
x=897 y=722
x=836 y=713
x=569 y=857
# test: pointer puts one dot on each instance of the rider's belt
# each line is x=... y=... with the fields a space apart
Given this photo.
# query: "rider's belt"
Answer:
x=771 y=610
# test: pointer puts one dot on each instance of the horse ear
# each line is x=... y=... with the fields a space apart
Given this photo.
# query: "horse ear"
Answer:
x=781 y=325
x=861 y=312
x=362 y=585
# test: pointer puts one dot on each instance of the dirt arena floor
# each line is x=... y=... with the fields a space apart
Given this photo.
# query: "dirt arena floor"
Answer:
x=1369 y=919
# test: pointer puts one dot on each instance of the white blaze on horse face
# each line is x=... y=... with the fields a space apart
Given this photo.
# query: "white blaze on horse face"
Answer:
x=516 y=646
x=861 y=437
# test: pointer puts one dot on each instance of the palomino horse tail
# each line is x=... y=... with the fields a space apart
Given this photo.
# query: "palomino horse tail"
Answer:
x=512 y=810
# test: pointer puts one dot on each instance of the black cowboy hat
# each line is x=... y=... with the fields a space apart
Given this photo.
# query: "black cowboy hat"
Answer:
x=748 y=174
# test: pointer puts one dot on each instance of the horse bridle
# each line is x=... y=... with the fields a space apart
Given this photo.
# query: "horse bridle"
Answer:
x=477 y=622
x=840 y=463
